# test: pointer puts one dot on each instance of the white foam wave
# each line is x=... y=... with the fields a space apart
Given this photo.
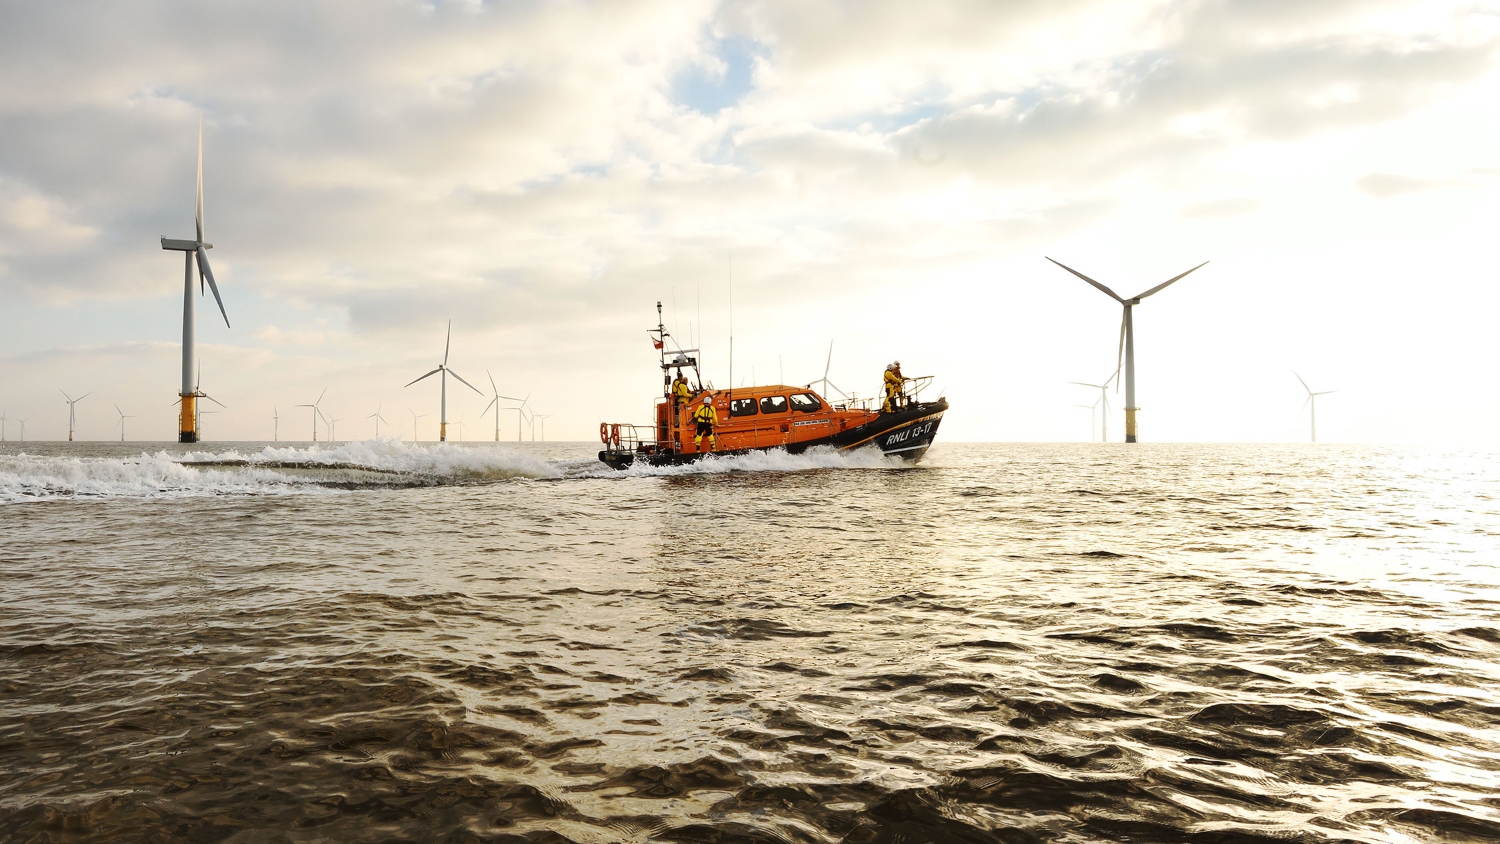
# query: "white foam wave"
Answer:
x=427 y=460
x=27 y=477
x=775 y=460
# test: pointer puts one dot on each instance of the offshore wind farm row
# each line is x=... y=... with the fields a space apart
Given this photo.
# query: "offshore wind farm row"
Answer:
x=190 y=398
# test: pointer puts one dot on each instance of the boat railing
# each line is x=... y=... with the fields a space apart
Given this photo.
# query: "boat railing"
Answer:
x=625 y=437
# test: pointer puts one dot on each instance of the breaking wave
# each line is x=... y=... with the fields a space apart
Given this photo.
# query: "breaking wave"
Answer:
x=384 y=463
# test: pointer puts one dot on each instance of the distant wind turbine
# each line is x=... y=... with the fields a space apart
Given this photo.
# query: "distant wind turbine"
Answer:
x=1103 y=397
x=1093 y=410
x=443 y=368
x=71 y=402
x=187 y=429
x=1312 y=402
x=275 y=424
x=198 y=408
x=121 y=423
x=22 y=423
x=521 y=411
x=378 y=419
x=4 y=419
x=414 y=417
x=828 y=385
x=496 y=403
x=316 y=412
x=333 y=429
x=1127 y=340
x=543 y=417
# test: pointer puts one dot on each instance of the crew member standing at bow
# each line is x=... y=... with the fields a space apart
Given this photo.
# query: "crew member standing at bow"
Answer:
x=893 y=385
x=707 y=418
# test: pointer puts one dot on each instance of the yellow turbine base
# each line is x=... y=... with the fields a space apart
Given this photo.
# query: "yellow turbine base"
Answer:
x=187 y=420
x=1130 y=424
x=443 y=432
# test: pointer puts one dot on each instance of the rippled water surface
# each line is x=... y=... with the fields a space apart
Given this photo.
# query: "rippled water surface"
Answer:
x=1007 y=643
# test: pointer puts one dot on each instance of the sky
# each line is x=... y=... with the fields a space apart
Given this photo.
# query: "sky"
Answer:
x=885 y=177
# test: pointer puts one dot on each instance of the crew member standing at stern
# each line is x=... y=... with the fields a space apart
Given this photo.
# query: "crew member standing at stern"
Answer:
x=681 y=394
x=707 y=418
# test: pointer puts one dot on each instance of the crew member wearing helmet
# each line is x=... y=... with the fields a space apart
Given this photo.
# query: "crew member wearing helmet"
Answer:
x=893 y=384
x=707 y=418
x=681 y=394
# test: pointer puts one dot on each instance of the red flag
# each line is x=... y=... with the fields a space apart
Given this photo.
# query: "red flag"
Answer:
x=655 y=343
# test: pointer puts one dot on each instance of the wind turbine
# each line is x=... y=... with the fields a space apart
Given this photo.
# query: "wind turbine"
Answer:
x=443 y=368
x=202 y=413
x=4 y=419
x=543 y=417
x=333 y=429
x=1093 y=412
x=1127 y=340
x=827 y=385
x=496 y=402
x=187 y=428
x=1103 y=397
x=460 y=424
x=414 y=417
x=316 y=412
x=520 y=411
x=378 y=419
x=1312 y=401
x=71 y=402
x=121 y=423
x=275 y=424
x=23 y=428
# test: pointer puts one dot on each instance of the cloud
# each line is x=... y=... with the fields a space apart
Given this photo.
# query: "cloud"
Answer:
x=1387 y=185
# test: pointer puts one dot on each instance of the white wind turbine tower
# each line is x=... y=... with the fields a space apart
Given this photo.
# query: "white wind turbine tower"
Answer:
x=1127 y=340
x=121 y=423
x=496 y=403
x=1104 y=399
x=333 y=429
x=187 y=429
x=1312 y=402
x=22 y=423
x=275 y=424
x=543 y=417
x=521 y=410
x=443 y=368
x=3 y=420
x=316 y=412
x=71 y=418
x=378 y=419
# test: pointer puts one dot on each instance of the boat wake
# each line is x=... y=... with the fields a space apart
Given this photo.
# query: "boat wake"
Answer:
x=370 y=464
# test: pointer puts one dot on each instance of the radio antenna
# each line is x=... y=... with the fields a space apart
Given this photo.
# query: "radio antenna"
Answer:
x=731 y=326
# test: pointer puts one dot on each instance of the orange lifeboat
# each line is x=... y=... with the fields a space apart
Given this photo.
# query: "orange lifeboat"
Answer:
x=764 y=418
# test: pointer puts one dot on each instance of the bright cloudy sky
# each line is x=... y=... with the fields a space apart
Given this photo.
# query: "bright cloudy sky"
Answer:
x=888 y=176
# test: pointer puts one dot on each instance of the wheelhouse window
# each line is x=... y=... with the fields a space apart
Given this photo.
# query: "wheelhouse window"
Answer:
x=773 y=404
x=806 y=403
x=742 y=407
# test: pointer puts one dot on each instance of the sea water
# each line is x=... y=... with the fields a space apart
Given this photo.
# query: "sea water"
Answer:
x=387 y=641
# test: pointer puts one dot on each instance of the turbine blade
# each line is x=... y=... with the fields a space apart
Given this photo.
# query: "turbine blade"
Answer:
x=465 y=383
x=320 y=397
x=198 y=216
x=494 y=401
x=433 y=372
x=1112 y=294
x=1325 y=392
x=1164 y=284
x=493 y=388
x=215 y=401
x=205 y=273
x=448 y=343
x=1081 y=384
x=829 y=365
x=1304 y=384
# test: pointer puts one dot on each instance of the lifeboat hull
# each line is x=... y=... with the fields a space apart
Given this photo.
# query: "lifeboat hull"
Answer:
x=905 y=434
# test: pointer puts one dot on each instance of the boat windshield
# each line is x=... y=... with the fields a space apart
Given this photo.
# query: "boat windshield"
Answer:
x=806 y=403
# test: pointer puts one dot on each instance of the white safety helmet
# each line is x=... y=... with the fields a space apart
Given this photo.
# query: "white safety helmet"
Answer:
x=896 y=365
